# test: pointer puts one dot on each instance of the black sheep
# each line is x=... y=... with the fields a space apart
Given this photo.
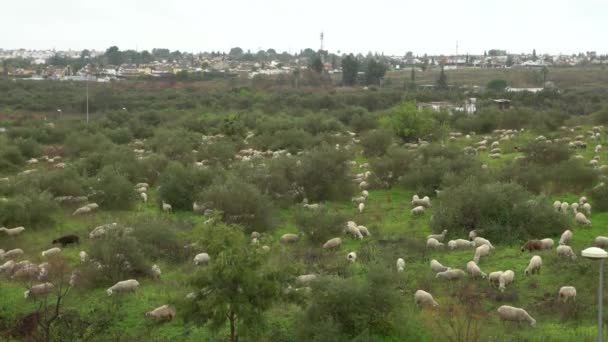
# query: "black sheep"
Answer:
x=67 y=239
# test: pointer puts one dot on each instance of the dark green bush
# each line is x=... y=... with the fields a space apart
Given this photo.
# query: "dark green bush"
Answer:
x=121 y=135
x=116 y=190
x=64 y=182
x=158 y=238
x=599 y=197
x=542 y=153
x=218 y=152
x=179 y=185
x=320 y=225
x=31 y=210
x=29 y=147
x=10 y=158
x=388 y=169
x=324 y=174
x=376 y=142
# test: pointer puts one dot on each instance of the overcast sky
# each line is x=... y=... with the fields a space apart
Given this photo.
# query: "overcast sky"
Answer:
x=392 y=27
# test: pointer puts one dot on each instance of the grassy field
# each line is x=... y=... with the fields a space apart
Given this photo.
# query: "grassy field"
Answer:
x=387 y=215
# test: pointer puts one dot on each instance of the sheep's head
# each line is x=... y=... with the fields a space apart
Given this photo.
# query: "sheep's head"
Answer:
x=109 y=292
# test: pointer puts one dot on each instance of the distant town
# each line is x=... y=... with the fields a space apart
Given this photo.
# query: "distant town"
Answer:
x=114 y=64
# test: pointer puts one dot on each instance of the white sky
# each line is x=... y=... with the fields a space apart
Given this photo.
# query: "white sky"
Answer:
x=389 y=26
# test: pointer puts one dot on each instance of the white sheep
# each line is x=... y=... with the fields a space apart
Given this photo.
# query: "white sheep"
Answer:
x=83 y=256
x=100 y=231
x=352 y=257
x=601 y=241
x=289 y=238
x=364 y=231
x=557 y=205
x=7 y=267
x=51 y=252
x=400 y=265
x=358 y=199
x=567 y=292
x=574 y=207
x=82 y=211
x=494 y=278
x=144 y=197
x=565 y=207
x=423 y=298
x=505 y=279
x=167 y=207
x=546 y=243
x=472 y=234
x=425 y=201
x=13 y=253
x=582 y=200
x=365 y=194
x=142 y=185
x=305 y=279
x=123 y=286
x=39 y=290
x=361 y=207
x=566 y=237
x=565 y=252
x=354 y=231
x=14 y=231
x=534 y=266
x=438 y=237
x=92 y=206
x=201 y=258
x=479 y=241
x=164 y=312
x=434 y=243
x=419 y=210
x=581 y=219
x=510 y=313
x=155 y=271
x=27 y=271
x=481 y=251
x=460 y=243
x=436 y=266
x=475 y=271
x=332 y=243
x=587 y=208
x=313 y=206
x=454 y=274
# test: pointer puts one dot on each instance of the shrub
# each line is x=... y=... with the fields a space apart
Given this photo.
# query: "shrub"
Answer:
x=179 y=184
x=320 y=225
x=31 y=209
x=599 y=196
x=29 y=147
x=387 y=170
x=121 y=135
x=219 y=152
x=376 y=142
x=116 y=190
x=83 y=143
x=64 y=182
x=158 y=237
x=276 y=178
x=175 y=144
x=324 y=174
x=542 y=153
x=10 y=158
x=497 y=85
x=505 y=211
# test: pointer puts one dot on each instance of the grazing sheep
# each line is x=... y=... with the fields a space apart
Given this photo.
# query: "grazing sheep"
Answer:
x=201 y=258
x=567 y=292
x=51 y=252
x=81 y=211
x=290 y=238
x=332 y=243
x=460 y=243
x=472 y=234
x=438 y=237
x=93 y=206
x=364 y=185
x=83 y=256
x=365 y=194
x=565 y=207
x=314 y=206
x=423 y=298
x=582 y=200
x=256 y=235
x=358 y=199
x=510 y=313
x=164 y=312
x=14 y=231
x=28 y=271
x=361 y=207
x=481 y=251
x=534 y=266
x=7 y=267
x=505 y=279
x=587 y=208
x=566 y=237
x=305 y=279
x=479 y=241
x=494 y=278
x=364 y=231
x=574 y=207
x=155 y=272
x=142 y=185
x=12 y=253
x=546 y=243
x=433 y=243
x=144 y=197
x=100 y=231
x=123 y=286
x=67 y=239
x=141 y=190
x=167 y=207
x=557 y=205
x=532 y=245
x=475 y=271
x=400 y=265
x=436 y=266
x=39 y=290
x=352 y=257
x=419 y=210
x=601 y=241
x=581 y=219
x=455 y=274
x=565 y=252
x=424 y=202
x=354 y=231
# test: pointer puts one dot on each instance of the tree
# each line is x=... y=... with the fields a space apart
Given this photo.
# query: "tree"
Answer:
x=534 y=58
x=316 y=64
x=413 y=75
x=114 y=55
x=497 y=85
x=375 y=71
x=350 y=68
x=408 y=123
x=544 y=72
x=442 y=80
x=236 y=52
x=234 y=288
x=510 y=61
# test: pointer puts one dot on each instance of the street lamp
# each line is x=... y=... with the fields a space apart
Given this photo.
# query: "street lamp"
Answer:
x=59 y=111
x=598 y=254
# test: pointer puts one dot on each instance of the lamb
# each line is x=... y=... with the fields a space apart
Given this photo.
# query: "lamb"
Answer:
x=424 y=202
x=51 y=252
x=474 y=270
x=567 y=292
x=164 y=312
x=7 y=267
x=419 y=210
x=167 y=207
x=574 y=207
x=565 y=252
x=155 y=272
x=123 y=286
x=566 y=237
x=67 y=239
x=364 y=231
x=505 y=279
x=433 y=243
x=13 y=253
x=289 y=238
x=494 y=278
x=332 y=243
x=438 y=237
x=39 y=290
x=546 y=243
x=436 y=266
x=455 y=274
x=587 y=208
x=557 y=205
x=479 y=241
x=400 y=265
x=305 y=279
x=144 y=197
x=83 y=256
x=472 y=234
x=361 y=207
x=354 y=231
x=601 y=241
x=201 y=258
x=423 y=298
x=565 y=207
x=510 y=313
x=534 y=265
x=532 y=245
x=481 y=251
x=460 y=243
x=581 y=219
x=82 y=211
x=352 y=257
x=14 y=231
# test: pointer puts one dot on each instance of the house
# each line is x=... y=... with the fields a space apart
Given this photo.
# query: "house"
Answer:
x=503 y=104
x=519 y=90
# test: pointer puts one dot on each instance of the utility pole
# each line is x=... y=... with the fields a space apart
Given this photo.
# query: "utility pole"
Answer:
x=87 y=98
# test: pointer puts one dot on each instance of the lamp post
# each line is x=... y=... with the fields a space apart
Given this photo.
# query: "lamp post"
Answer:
x=59 y=111
x=598 y=254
